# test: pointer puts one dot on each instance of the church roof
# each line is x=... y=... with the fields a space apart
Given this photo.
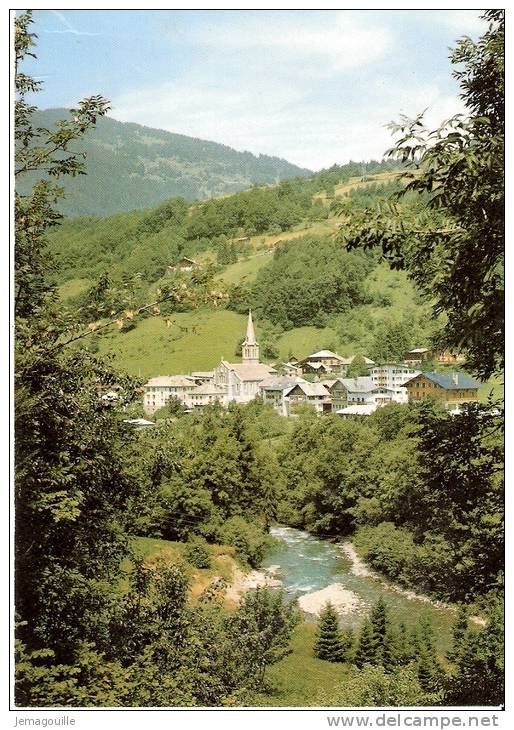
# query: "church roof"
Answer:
x=250 y=370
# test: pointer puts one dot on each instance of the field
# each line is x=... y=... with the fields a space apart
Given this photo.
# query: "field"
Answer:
x=154 y=349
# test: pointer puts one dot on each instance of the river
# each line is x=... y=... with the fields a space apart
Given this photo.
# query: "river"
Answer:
x=304 y=564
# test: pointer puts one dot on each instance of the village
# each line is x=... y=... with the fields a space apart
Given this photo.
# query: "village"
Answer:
x=323 y=380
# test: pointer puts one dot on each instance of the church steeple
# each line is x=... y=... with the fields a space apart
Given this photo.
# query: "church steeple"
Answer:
x=250 y=348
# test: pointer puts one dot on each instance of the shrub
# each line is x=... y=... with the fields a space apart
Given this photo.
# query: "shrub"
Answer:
x=197 y=553
x=248 y=540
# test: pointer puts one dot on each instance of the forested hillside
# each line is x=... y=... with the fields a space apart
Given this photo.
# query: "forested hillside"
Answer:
x=272 y=249
x=132 y=167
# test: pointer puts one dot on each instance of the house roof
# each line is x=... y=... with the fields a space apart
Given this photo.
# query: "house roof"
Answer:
x=177 y=381
x=358 y=385
x=202 y=374
x=358 y=410
x=250 y=370
x=209 y=389
x=417 y=350
x=310 y=389
x=315 y=365
x=450 y=381
x=327 y=354
x=280 y=383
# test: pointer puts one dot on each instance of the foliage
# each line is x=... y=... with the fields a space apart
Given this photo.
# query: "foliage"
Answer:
x=372 y=686
x=263 y=625
x=197 y=553
x=478 y=656
x=248 y=540
x=306 y=278
x=451 y=239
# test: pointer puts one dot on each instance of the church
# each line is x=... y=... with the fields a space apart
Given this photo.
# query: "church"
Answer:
x=241 y=380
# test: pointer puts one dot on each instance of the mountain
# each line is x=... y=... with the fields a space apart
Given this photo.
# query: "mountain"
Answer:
x=130 y=166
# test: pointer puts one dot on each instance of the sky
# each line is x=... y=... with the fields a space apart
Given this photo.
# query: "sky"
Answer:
x=313 y=87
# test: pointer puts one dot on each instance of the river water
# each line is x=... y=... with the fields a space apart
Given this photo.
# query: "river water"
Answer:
x=307 y=564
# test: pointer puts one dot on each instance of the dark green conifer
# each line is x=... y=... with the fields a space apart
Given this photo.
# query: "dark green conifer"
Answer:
x=365 y=653
x=329 y=641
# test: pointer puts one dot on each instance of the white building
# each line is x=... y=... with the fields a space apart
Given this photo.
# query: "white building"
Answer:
x=272 y=391
x=158 y=391
x=392 y=376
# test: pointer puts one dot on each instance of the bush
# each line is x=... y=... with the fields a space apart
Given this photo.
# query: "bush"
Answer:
x=248 y=540
x=197 y=553
x=387 y=548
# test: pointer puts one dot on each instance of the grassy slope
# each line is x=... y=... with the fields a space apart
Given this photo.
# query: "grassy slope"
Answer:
x=154 y=349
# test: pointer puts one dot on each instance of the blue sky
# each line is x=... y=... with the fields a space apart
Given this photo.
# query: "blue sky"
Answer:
x=314 y=87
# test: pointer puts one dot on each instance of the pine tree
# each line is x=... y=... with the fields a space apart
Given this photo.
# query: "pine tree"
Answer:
x=365 y=653
x=459 y=633
x=329 y=641
x=380 y=624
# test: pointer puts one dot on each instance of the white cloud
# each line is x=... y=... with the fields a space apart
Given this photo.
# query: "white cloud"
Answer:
x=275 y=120
x=463 y=22
x=336 y=42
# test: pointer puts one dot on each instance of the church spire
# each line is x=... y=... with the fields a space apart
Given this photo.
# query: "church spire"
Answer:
x=250 y=348
x=250 y=333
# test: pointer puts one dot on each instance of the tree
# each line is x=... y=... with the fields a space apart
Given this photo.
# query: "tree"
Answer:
x=262 y=627
x=329 y=644
x=451 y=240
x=365 y=653
x=357 y=367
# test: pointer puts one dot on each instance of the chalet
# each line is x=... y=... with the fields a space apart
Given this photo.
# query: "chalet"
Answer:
x=450 y=388
x=202 y=376
x=359 y=390
x=313 y=393
x=449 y=358
x=418 y=355
x=272 y=391
x=243 y=239
x=290 y=368
x=333 y=363
x=338 y=393
x=158 y=391
x=184 y=264
x=317 y=368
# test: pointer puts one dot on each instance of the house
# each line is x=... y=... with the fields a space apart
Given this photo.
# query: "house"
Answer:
x=313 y=393
x=338 y=393
x=392 y=376
x=241 y=380
x=205 y=394
x=359 y=390
x=202 y=376
x=272 y=391
x=318 y=368
x=243 y=239
x=449 y=358
x=290 y=368
x=332 y=362
x=450 y=388
x=418 y=355
x=184 y=264
x=158 y=391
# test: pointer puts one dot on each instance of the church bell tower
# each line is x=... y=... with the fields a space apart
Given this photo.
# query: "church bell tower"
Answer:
x=250 y=348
